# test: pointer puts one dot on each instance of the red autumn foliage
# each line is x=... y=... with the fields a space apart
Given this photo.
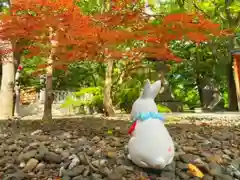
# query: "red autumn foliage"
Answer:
x=95 y=37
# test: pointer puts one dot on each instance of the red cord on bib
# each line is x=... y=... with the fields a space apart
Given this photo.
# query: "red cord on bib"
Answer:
x=132 y=128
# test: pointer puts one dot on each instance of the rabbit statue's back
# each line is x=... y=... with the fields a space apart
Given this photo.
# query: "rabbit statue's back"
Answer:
x=150 y=145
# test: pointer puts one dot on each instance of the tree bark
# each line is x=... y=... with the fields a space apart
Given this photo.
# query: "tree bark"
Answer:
x=200 y=91
x=198 y=78
x=232 y=97
x=47 y=113
x=107 y=100
x=7 y=82
x=17 y=95
x=17 y=87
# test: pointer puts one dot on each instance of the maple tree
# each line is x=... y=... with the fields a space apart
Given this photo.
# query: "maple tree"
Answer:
x=80 y=36
x=60 y=32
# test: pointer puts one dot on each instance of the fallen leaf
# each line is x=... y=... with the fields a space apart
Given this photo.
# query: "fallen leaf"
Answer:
x=110 y=132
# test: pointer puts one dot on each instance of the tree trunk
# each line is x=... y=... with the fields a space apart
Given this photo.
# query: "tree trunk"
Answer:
x=42 y=90
x=232 y=97
x=233 y=23
x=200 y=91
x=7 y=83
x=107 y=100
x=198 y=80
x=47 y=113
x=17 y=87
x=17 y=113
x=16 y=101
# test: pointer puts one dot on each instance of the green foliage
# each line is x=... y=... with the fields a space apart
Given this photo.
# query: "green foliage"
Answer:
x=127 y=93
x=78 y=75
x=90 y=6
x=198 y=62
x=235 y=7
x=163 y=109
x=78 y=99
x=89 y=77
x=188 y=96
x=225 y=98
x=29 y=67
x=164 y=7
x=155 y=22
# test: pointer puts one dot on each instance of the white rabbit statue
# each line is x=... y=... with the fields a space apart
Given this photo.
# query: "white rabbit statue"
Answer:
x=150 y=145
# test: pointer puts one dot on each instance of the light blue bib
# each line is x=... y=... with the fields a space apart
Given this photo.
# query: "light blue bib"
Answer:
x=148 y=115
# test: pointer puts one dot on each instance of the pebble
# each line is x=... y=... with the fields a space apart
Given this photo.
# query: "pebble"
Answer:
x=52 y=157
x=31 y=164
x=85 y=153
x=40 y=166
x=75 y=171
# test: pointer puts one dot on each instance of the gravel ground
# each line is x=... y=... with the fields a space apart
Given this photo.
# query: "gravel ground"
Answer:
x=94 y=149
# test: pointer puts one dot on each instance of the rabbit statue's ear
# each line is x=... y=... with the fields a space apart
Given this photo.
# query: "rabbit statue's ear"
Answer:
x=155 y=87
x=147 y=89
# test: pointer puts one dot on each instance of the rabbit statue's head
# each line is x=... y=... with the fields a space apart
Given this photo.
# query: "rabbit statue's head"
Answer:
x=146 y=103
